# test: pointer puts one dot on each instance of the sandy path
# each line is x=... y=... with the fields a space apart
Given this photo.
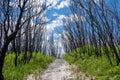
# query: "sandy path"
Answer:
x=61 y=70
x=58 y=70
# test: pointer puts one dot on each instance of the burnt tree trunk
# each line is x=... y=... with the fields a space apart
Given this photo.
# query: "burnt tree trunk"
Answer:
x=3 y=51
x=2 y=57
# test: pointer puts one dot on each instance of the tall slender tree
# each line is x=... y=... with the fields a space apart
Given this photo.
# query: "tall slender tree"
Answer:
x=13 y=19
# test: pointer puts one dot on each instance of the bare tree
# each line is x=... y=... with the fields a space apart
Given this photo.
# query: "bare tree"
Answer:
x=94 y=23
x=14 y=18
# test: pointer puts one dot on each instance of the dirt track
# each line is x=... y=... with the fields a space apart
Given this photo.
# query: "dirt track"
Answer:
x=58 y=70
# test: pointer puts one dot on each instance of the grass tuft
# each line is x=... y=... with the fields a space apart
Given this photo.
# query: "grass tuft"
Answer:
x=39 y=62
x=99 y=67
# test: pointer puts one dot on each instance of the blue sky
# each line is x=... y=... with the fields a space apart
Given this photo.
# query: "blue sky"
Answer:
x=58 y=11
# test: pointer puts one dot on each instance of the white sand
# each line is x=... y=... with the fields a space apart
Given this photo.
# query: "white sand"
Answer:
x=58 y=70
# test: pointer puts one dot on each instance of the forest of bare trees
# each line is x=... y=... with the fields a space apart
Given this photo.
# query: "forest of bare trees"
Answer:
x=21 y=28
x=95 y=24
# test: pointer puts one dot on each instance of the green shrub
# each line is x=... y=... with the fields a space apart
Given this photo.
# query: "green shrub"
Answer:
x=39 y=62
x=94 y=65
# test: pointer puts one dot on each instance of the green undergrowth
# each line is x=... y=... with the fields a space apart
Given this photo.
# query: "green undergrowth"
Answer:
x=36 y=65
x=98 y=67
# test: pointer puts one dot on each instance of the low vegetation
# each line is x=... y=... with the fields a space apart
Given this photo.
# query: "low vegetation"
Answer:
x=96 y=66
x=38 y=62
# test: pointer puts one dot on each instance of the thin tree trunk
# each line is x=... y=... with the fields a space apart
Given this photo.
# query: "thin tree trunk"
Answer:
x=2 y=57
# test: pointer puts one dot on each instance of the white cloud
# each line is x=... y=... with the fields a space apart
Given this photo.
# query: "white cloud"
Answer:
x=55 y=23
x=52 y=2
x=96 y=1
x=76 y=17
x=57 y=35
x=55 y=14
x=64 y=3
x=46 y=19
x=61 y=17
